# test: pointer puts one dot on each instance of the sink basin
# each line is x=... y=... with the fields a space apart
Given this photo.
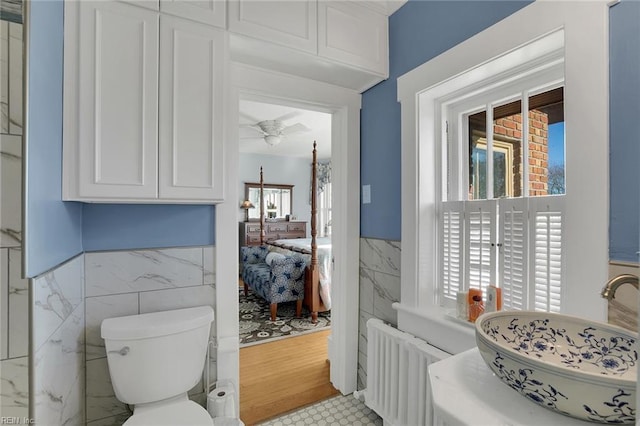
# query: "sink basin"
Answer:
x=579 y=368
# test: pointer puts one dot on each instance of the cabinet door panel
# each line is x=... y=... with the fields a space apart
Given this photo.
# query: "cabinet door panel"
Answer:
x=212 y=12
x=289 y=23
x=353 y=34
x=191 y=92
x=118 y=101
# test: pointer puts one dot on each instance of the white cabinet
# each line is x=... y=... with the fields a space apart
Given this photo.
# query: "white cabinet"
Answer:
x=210 y=12
x=142 y=106
x=191 y=94
x=117 y=89
x=353 y=34
x=289 y=23
x=341 y=42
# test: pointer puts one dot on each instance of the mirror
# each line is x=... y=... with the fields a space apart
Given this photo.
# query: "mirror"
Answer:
x=278 y=200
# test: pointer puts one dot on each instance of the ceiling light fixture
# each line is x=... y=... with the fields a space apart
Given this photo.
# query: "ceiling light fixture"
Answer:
x=272 y=139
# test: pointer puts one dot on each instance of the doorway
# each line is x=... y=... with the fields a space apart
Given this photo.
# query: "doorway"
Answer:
x=343 y=105
x=283 y=363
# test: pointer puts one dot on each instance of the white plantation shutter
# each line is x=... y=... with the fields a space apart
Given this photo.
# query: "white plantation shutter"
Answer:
x=452 y=248
x=546 y=225
x=514 y=249
x=480 y=239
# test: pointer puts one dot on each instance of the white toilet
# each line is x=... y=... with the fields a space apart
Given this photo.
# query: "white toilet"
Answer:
x=155 y=359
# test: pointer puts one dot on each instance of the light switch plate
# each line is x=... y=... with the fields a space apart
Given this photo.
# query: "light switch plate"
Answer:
x=366 y=194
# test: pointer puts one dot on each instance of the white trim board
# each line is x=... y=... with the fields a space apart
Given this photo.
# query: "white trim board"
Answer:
x=585 y=35
x=344 y=105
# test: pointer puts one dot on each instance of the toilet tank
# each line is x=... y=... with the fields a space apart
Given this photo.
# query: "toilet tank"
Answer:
x=157 y=355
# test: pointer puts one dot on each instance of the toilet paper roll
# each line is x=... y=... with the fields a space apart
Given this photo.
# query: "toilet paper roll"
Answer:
x=221 y=402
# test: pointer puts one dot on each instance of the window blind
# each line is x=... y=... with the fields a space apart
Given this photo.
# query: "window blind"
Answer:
x=513 y=243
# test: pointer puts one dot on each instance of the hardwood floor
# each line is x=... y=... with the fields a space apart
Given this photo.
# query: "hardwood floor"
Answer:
x=281 y=376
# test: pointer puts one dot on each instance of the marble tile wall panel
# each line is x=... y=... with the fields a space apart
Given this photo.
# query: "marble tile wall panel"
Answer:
x=15 y=79
x=380 y=255
x=101 y=402
x=57 y=294
x=4 y=304
x=362 y=349
x=14 y=387
x=18 y=306
x=379 y=289
x=623 y=310
x=185 y=297
x=4 y=76
x=100 y=396
x=142 y=270
x=10 y=78
x=117 y=420
x=59 y=381
x=14 y=373
x=131 y=282
x=209 y=265
x=10 y=190
x=386 y=291
x=102 y=307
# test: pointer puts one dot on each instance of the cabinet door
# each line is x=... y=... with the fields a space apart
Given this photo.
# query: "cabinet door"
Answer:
x=354 y=35
x=117 y=101
x=212 y=12
x=192 y=64
x=289 y=23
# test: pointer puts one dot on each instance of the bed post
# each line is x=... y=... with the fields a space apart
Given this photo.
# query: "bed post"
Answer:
x=314 y=269
x=262 y=230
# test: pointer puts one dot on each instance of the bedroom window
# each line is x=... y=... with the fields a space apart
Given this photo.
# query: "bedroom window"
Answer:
x=499 y=222
x=324 y=198
x=324 y=211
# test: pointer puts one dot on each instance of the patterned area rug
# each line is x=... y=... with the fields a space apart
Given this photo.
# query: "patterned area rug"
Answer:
x=256 y=325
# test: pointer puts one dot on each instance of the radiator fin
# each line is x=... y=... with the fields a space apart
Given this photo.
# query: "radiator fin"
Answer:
x=397 y=369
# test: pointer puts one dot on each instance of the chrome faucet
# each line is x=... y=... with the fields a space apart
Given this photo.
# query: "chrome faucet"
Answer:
x=609 y=290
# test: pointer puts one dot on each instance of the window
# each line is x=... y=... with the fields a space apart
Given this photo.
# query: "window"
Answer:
x=492 y=60
x=507 y=229
x=324 y=211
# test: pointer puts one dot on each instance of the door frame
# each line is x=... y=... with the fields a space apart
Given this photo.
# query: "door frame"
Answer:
x=344 y=104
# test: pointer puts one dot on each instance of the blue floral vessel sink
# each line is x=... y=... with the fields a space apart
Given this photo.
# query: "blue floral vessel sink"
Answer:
x=576 y=367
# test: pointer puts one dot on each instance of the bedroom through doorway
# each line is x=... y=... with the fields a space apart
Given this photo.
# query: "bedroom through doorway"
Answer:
x=275 y=154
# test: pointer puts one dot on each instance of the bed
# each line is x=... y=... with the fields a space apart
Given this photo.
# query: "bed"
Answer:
x=317 y=292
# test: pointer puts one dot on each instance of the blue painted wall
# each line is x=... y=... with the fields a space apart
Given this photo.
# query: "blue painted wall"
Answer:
x=53 y=231
x=420 y=30
x=624 y=69
x=134 y=226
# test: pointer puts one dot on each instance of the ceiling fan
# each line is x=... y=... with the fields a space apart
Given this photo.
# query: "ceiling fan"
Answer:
x=273 y=131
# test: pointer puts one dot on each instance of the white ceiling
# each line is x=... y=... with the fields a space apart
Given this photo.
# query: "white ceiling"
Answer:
x=298 y=144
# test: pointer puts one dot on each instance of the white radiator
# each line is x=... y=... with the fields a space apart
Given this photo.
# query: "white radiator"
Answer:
x=397 y=382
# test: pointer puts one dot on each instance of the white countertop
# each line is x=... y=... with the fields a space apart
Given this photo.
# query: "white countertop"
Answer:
x=466 y=392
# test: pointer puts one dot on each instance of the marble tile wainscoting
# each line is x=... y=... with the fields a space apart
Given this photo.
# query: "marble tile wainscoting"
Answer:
x=58 y=345
x=14 y=297
x=71 y=379
x=119 y=283
x=623 y=309
x=379 y=288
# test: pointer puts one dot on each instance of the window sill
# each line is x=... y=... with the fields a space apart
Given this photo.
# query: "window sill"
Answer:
x=435 y=325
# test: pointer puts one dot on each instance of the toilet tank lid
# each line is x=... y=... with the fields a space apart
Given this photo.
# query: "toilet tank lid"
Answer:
x=156 y=323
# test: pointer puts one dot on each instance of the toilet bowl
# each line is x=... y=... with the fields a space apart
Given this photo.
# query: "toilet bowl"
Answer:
x=154 y=360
